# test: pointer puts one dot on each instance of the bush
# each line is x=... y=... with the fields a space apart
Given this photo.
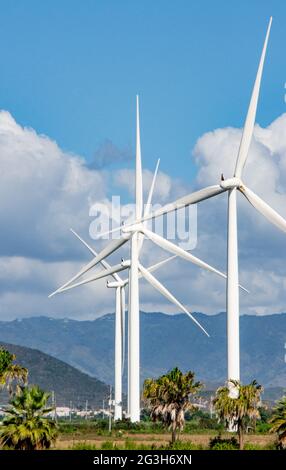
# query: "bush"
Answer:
x=143 y=426
x=83 y=427
x=218 y=443
x=183 y=445
x=262 y=428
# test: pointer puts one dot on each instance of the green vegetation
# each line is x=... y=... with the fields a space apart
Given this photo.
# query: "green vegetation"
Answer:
x=25 y=426
x=169 y=406
x=218 y=443
x=100 y=427
x=68 y=383
x=168 y=398
x=10 y=373
x=238 y=412
x=131 y=445
x=278 y=422
x=199 y=423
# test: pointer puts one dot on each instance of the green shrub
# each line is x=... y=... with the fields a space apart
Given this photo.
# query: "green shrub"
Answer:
x=183 y=445
x=218 y=443
x=262 y=428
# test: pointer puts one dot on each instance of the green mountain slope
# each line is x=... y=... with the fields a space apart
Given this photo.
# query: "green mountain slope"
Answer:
x=68 y=383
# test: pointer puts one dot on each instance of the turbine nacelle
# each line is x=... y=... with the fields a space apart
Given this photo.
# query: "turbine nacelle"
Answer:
x=132 y=228
x=126 y=263
x=122 y=283
x=231 y=183
x=114 y=284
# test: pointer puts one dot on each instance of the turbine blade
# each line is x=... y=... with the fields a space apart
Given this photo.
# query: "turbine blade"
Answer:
x=166 y=293
x=138 y=167
x=176 y=250
x=122 y=300
x=185 y=201
x=96 y=277
x=151 y=190
x=156 y=266
x=251 y=114
x=108 y=250
x=264 y=208
x=172 y=248
x=153 y=268
x=148 y=205
x=103 y=263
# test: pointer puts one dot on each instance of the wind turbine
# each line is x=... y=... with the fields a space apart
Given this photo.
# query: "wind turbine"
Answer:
x=231 y=185
x=135 y=237
x=119 y=285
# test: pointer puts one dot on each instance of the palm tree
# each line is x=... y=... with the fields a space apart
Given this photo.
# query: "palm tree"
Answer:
x=25 y=426
x=278 y=422
x=236 y=412
x=9 y=372
x=168 y=398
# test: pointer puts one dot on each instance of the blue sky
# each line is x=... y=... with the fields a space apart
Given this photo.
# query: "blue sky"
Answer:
x=70 y=69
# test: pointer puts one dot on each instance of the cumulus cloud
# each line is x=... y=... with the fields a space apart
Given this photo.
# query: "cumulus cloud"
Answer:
x=261 y=245
x=45 y=190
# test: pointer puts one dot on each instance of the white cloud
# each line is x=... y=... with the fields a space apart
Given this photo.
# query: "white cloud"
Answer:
x=45 y=190
x=261 y=245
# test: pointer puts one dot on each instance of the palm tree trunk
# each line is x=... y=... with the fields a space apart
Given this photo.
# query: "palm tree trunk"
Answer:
x=240 y=437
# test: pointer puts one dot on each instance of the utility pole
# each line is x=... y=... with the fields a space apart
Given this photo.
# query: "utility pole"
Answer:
x=54 y=405
x=211 y=407
x=70 y=411
x=86 y=406
x=103 y=409
x=110 y=404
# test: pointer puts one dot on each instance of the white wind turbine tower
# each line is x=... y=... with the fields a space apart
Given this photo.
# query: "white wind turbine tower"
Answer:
x=231 y=185
x=136 y=270
x=119 y=285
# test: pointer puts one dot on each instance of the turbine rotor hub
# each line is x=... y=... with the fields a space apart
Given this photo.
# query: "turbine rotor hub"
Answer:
x=132 y=228
x=231 y=183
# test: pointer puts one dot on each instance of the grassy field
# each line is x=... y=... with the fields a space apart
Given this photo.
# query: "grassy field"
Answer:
x=148 y=440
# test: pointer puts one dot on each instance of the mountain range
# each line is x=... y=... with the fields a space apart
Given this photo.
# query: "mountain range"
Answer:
x=166 y=341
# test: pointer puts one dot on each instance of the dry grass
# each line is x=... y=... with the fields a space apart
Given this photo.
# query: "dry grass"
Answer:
x=65 y=442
